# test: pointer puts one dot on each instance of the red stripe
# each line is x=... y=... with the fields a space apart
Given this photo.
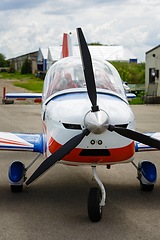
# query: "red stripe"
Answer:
x=117 y=154
x=38 y=100
x=65 y=52
x=11 y=142
x=21 y=99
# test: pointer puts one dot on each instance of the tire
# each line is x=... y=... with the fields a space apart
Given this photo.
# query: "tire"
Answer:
x=146 y=188
x=17 y=188
x=94 y=209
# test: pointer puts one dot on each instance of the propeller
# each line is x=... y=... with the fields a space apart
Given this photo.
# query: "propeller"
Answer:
x=88 y=70
x=136 y=136
x=58 y=155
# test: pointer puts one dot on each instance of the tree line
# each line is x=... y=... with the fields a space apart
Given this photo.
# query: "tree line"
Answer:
x=132 y=73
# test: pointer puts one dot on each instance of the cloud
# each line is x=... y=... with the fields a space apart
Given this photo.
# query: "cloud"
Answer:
x=7 y=5
x=27 y=25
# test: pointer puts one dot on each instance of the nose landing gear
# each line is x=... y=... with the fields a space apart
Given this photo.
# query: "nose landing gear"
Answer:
x=96 y=199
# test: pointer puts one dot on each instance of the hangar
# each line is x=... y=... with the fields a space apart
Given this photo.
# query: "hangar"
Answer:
x=18 y=61
x=42 y=59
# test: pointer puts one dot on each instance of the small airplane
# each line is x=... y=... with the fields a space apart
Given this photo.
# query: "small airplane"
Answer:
x=86 y=120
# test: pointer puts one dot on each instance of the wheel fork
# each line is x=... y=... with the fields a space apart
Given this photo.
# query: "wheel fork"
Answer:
x=103 y=192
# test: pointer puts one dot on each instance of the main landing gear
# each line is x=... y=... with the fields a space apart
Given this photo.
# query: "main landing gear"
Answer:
x=146 y=174
x=96 y=199
x=17 y=174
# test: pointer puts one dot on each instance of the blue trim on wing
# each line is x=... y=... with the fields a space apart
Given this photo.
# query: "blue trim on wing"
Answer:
x=33 y=138
x=130 y=95
x=23 y=95
x=21 y=142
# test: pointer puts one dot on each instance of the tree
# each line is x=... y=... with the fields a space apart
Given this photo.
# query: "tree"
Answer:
x=125 y=75
x=3 y=62
x=26 y=67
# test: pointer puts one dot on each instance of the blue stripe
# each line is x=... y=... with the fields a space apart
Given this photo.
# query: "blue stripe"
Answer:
x=15 y=147
x=23 y=95
x=136 y=147
x=82 y=95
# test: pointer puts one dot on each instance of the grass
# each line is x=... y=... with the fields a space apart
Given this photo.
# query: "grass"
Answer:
x=31 y=85
x=136 y=101
x=16 y=75
x=27 y=81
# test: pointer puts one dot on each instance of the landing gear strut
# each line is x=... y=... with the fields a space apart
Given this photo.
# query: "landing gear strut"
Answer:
x=96 y=199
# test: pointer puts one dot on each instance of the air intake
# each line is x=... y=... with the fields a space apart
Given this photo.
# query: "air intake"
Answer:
x=95 y=153
x=72 y=126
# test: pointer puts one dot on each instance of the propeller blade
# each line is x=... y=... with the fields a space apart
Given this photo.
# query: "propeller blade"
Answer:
x=135 y=136
x=58 y=155
x=88 y=70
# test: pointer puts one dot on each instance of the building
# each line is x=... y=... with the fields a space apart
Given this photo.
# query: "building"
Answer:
x=18 y=61
x=152 y=69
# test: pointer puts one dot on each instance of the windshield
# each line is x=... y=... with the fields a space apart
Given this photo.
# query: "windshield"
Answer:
x=68 y=73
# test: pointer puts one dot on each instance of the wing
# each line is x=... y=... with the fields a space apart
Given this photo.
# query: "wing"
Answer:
x=142 y=147
x=130 y=96
x=21 y=142
x=23 y=96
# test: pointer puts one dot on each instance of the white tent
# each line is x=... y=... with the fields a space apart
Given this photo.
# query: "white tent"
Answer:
x=54 y=54
x=109 y=53
x=112 y=53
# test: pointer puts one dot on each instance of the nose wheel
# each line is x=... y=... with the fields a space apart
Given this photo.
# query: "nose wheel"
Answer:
x=96 y=199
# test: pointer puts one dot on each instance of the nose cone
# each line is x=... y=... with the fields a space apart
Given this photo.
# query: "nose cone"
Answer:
x=96 y=122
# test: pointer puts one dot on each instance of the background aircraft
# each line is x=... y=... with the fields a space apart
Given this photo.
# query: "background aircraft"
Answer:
x=86 y=120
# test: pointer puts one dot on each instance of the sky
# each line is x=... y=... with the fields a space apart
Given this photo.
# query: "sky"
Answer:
x=25 y=26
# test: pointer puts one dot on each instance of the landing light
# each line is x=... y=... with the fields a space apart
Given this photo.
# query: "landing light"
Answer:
x=92 y=142
x=100 y=142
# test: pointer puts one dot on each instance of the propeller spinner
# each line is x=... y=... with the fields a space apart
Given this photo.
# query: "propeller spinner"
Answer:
x=96 y=122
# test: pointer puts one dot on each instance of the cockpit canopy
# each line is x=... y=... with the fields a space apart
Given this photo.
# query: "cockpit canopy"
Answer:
x=68 y=73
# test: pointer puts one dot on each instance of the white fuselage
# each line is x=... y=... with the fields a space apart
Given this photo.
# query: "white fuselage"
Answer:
x=64 y=118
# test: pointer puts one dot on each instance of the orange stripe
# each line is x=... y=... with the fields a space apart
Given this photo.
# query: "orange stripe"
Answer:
x=117 y=154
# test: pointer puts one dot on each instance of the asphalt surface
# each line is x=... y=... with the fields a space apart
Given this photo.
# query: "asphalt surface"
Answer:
x=55 y=206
